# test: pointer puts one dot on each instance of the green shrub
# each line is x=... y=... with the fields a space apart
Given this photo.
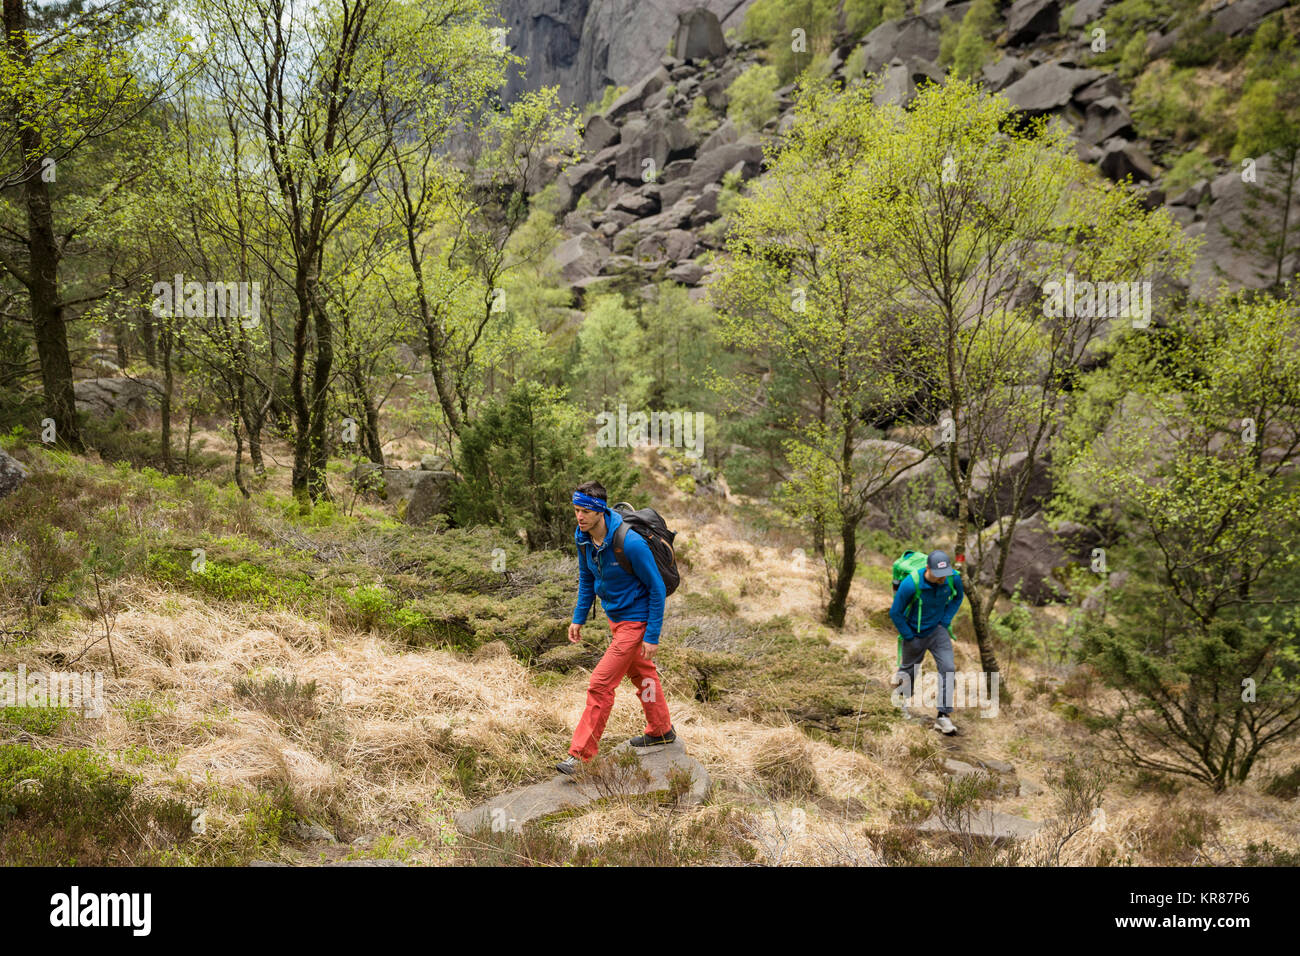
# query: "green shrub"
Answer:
x=700 y=119
x=773 y=22
x=972 y=48
x=522 y=458
x=42 y=721
x=1187 y=170
x=69 y=808
x=751 y=98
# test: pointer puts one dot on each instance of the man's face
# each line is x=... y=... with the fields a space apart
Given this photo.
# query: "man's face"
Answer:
x=586 y=518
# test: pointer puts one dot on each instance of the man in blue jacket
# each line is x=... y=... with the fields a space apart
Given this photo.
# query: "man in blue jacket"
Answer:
x=634 y=604
x=926 y=629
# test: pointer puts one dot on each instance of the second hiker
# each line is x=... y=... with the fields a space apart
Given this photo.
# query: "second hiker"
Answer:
x=924 y=605
x=634 y=603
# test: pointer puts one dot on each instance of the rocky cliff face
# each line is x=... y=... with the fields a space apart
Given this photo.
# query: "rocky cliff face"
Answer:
x=582 y=46
x=635 y=226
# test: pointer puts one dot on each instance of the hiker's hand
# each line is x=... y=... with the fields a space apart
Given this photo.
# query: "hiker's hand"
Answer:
x=575 y=633
x=648 y=650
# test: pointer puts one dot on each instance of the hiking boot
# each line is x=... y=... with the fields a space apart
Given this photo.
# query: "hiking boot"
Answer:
x=569 y=765
x=944 y=725
x=650 y=740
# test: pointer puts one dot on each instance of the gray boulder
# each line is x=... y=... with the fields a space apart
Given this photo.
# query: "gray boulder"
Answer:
x=687 y=273
x=580 y=177
x=903 y=38
x=710 y=167
x=1193 y=195
x=699 y=36
x=580 y=257
x=598 y=134
x=1048 y=87
x=1121 y=159
x=1243 y=15
x=104 y=397
x=1217 y=260
x=1100 y=88
x=510 y=811
x=993 y=486
x=1000 y=75
x=632 y=100
x=900 y=81
x=431 y=495
x=671 y=246
x=1105 y=119
x=1085 y=12
x=985 y=825
x=1029 y=19
x=722 y=136
x=12 y=474
x=1035 y=557
x=706 y=207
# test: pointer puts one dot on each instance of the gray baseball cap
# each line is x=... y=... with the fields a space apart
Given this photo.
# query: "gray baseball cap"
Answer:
x=939 y=564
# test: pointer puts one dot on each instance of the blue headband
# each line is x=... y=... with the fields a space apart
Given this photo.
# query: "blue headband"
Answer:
x=588 y=502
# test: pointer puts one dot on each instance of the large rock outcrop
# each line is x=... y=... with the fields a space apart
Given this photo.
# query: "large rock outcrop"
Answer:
x=582 y=47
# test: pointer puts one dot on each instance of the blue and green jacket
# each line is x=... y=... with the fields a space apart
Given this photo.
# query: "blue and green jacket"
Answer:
x=625 y=597
x=938 y=605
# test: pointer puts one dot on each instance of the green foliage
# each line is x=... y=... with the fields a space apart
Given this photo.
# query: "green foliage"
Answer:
x=610 y=368
x=1183 y=105
x=972 y=45
x=69 y=808
x=1187 y=170
x=680 y=347
x=1268 y=123
x=751 y=98
x=700 y=119
x=43 y=721
x=522 y=458
x=863 y=16
x=1133 y=56
x=607 y=98
x=1202 y=647
x=775 y=22
x=834 y=256
x=1266 y=854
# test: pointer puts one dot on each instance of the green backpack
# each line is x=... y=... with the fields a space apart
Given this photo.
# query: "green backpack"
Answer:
x=911 y=564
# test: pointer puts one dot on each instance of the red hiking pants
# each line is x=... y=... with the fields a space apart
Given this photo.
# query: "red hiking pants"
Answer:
x=623 y=658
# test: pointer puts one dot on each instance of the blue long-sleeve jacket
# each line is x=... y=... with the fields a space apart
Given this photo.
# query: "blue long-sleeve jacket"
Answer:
x=937 y=606
x=625 y=597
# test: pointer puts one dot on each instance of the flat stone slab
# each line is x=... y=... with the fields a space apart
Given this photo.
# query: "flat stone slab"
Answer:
x=989 y=825
x=510 y=811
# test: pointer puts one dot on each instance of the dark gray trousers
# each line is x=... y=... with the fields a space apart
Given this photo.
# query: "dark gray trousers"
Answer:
x=939 y=643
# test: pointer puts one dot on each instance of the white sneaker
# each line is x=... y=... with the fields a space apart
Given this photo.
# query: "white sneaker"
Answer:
x=944 y=725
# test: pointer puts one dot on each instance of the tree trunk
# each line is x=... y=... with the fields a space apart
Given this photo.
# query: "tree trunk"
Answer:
x=148 y=337
x=839 y=602
x=42 y=276
x=301 y=411
x=169 y=388
x=321 y=370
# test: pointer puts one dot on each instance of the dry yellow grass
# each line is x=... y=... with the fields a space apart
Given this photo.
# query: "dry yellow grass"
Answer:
x=392 y=722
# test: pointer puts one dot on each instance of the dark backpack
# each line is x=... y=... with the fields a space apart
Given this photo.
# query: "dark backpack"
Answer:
x=654 y=530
